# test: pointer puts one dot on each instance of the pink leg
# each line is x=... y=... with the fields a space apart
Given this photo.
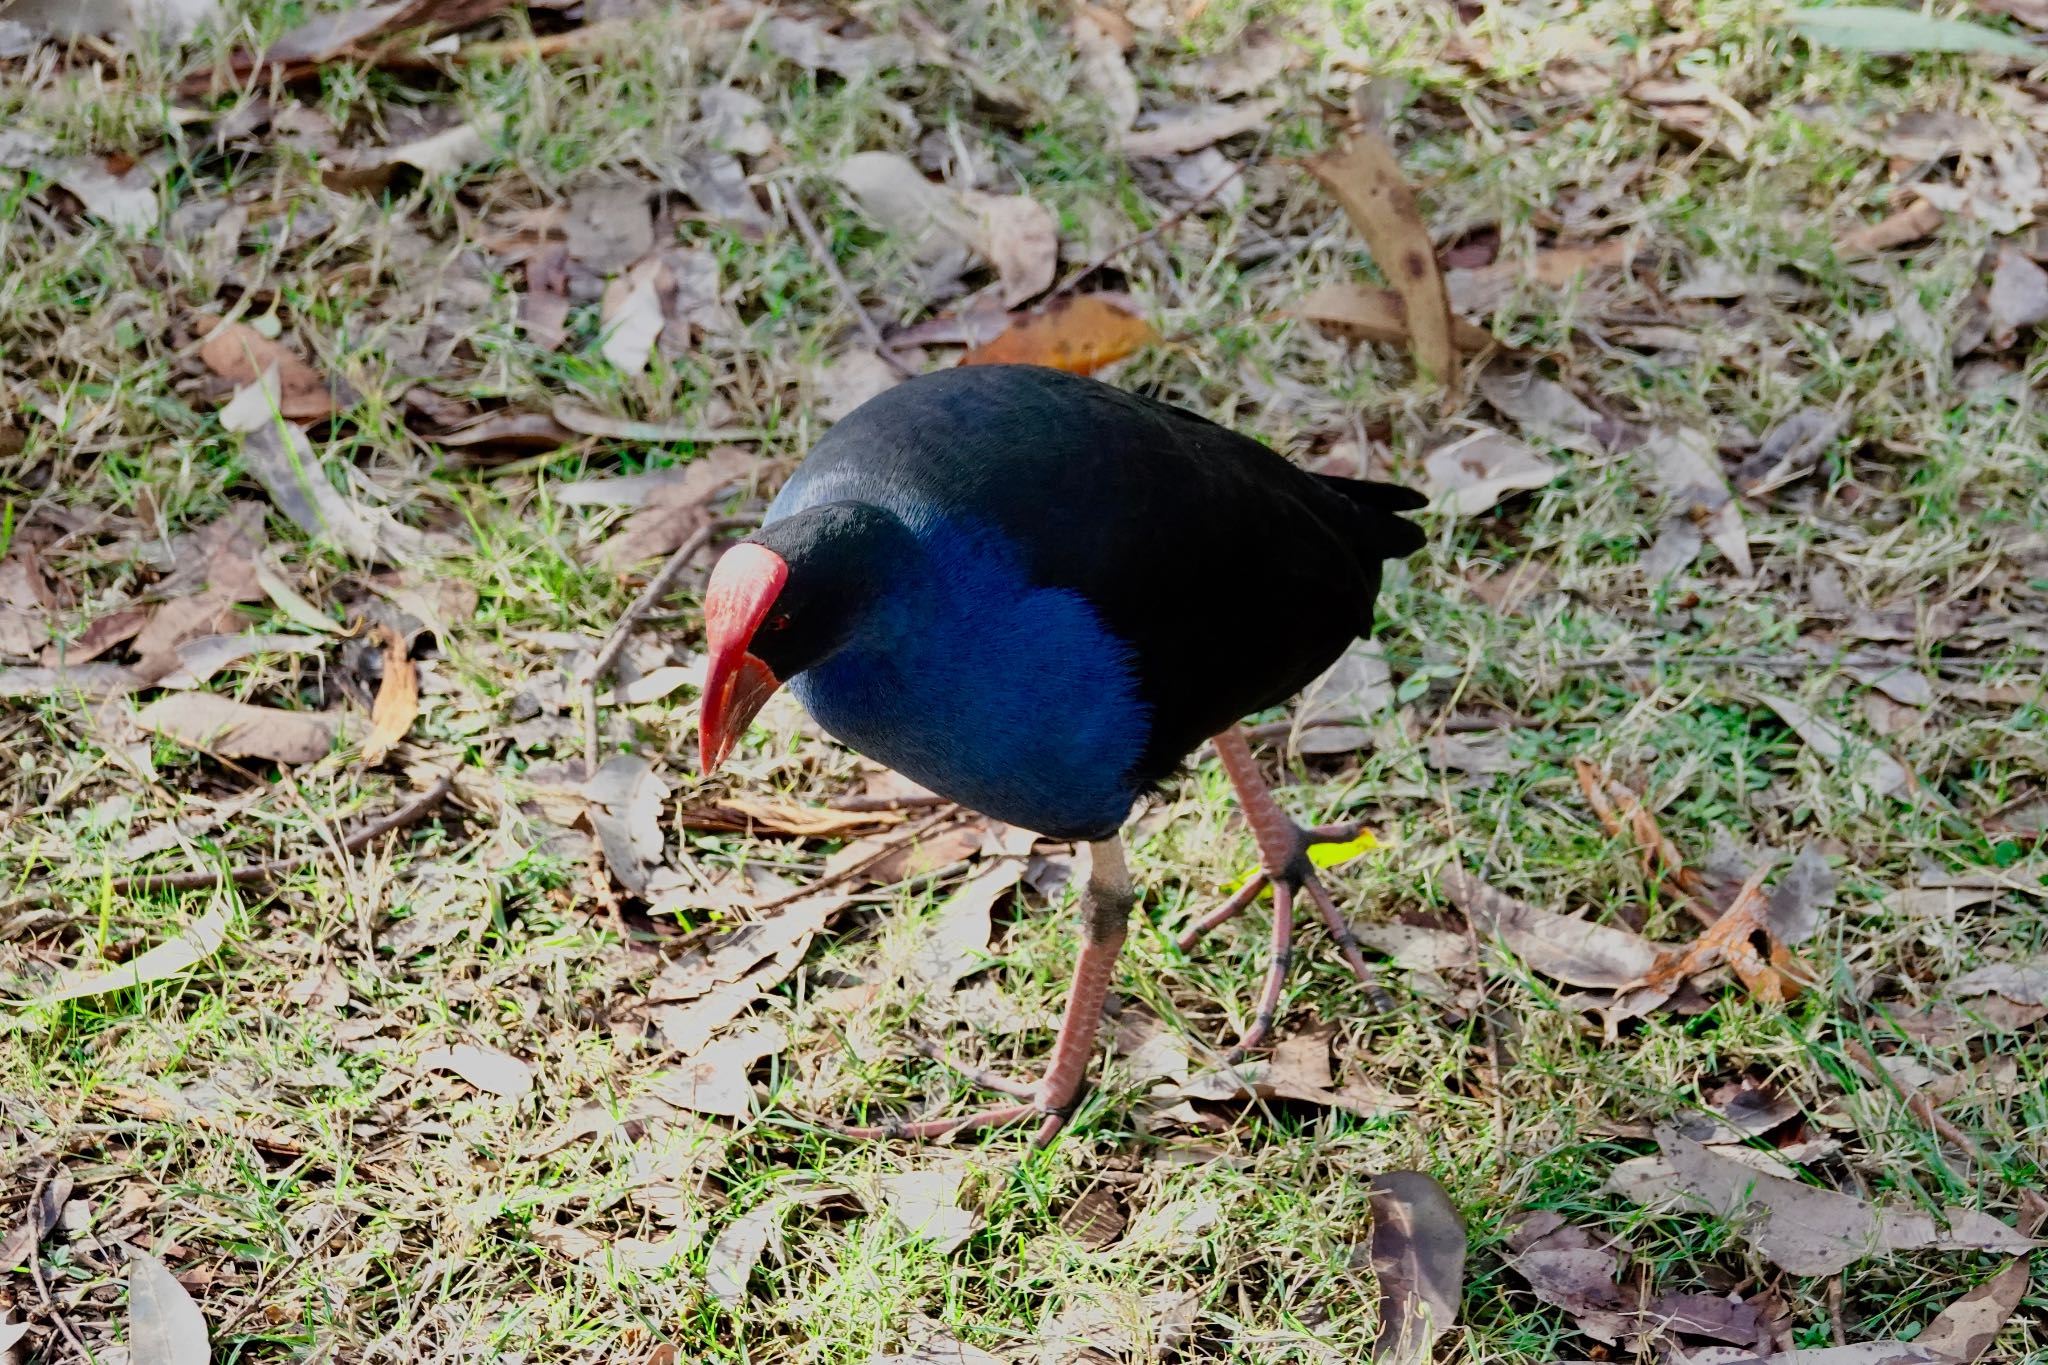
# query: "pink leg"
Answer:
x=1283 y=857
x=1105 y=912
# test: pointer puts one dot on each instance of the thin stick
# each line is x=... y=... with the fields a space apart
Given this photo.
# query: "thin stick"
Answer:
x=650 y=596
x=410 y=813
x=1174 y=219
x=822 y=254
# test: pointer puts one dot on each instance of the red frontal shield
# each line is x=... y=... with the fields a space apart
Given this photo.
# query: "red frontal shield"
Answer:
x=737 y=685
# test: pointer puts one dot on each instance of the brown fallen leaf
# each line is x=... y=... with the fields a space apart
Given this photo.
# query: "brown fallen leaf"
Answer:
x=1191 y=130
x=544 y=307
x=25 y=604
x=1547 y=409
x=623 y=805
x=2023 y=983
x=1365 y=175
x=398 y=698
x=1571 y=1268
x=926 y=1204
x=1475 y=472
x=487 y=1068
x=1729 y=939
x=1801 y=1228
x=1685 y=466
x=101 y=635
x=199 y=658
x=1575 y=951
x=714 y=1079
x=736 y=1250
x=1482 y=289
x=755 y=814
x=1079 y=334
x=38 y=1216
x=1916 y=220
x=673 y=512
x=1103 y=70
x=1418 y=1257
x=630 y=316
x=436 y=155
x=240 y=354
x=957 y=941
x=1020 y=238
x=2018 y=297
x=886 y=859
x=164 y=1325
x=231 y=729
x=1965 y=1331
x=713 y=984
x=1863 y=762
x=171 y=958
x=1378 y=315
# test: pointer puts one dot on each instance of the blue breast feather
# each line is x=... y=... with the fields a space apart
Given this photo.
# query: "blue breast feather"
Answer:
x=1010 y=698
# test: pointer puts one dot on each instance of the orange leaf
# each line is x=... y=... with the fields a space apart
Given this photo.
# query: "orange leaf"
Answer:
x=398 y=698
x=1079 y=335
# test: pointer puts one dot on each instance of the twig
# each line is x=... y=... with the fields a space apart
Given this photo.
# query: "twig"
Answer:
x=35 y=1270
x=1921 y=1107
x=910 y=835
x=410 y=813
x=656 y=589
x=1774 y=663
x=822 y=254
x=862 y=804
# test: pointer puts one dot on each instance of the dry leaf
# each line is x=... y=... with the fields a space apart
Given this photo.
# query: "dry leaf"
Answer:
x=625 y=798
x=938 y=1349
x=847 y=381
x=25 y=604
x=1801 y=1228
x=1377 y=315
x=926 y=1203
x=398 y=698
x=737 y=1249
x=2023 y=983
x=164 y=1325
x=168 y=959
x=281 y=458
x=1687 y=467
x=714 y=1081
x=956 y=944
x=1483 y=289
x=1477 y=471
x=610 y=226
x=230 y=729
x=1575 y=951
x=240 y=354
x=38 y=1216
x=809 y=44
x=1864 y=763
x=1418 y=1257
x=1103 y=70
x=101 y=635
x=674 y=511
x=1193 y=129
x=632 y=318
x=1365 y=175
x=486 y=1068
x=1077 y=333
x=1916 y=220
x=2018 y=297
x=199 y=658
x=710 y=986
x=929 y=218
x=1802 y=893
x=544 y=307
x=1571 y=1268
x=436 y=156
x=1543 y=407
x=1966 y=1330
x=1020 y=238
x=1865 y=1353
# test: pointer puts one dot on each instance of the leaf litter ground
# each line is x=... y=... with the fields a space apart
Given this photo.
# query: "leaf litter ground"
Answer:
x=381 y=983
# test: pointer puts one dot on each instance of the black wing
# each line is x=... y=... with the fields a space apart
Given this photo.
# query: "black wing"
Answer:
x=1235 y=577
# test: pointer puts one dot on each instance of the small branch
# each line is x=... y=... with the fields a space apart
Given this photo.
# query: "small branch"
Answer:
x=1776 y=663
x=650 y=596
x=409 y=814
x=910 y=835
x=822 y=255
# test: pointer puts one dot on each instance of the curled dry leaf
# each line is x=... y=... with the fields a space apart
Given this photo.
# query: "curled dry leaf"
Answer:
x=1418 y=1257
x=1020 y=238
x=632 y=318
x=164 y=1325
x=436 y=156
x=1365 y=175
x=1915 y=221
x=1547 y=409
x=486 y=1068
x=231 y=729
x=1078 y=333
x=199 y=658
x=240 y=354
x=398 y=698
x=1571 y=1268
x=1475 y=472
x=2023 y=983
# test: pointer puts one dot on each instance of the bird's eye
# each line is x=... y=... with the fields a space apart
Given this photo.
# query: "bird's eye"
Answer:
x=778 y=621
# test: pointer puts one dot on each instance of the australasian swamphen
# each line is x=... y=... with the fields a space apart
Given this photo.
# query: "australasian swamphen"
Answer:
x=1035 y=594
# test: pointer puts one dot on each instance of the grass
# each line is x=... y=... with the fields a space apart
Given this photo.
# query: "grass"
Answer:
x=262 y=1124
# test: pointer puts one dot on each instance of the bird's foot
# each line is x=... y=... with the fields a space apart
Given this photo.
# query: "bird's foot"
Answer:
x=1294 y=878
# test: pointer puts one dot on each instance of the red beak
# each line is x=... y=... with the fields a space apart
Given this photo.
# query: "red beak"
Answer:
x=737 y=685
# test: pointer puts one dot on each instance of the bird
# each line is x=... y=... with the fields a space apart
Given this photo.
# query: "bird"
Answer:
x=1036 y=593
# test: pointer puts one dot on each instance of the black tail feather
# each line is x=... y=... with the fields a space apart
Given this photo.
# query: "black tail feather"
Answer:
x=1397 y=538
